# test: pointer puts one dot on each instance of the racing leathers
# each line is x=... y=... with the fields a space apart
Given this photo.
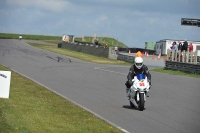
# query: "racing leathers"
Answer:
x=134 y=71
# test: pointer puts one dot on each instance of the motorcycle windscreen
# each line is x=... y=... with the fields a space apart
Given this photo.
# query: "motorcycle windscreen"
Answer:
x=140 y=76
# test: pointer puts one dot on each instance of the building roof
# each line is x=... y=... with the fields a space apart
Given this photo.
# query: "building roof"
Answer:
x=71 y=35
x=177 y=40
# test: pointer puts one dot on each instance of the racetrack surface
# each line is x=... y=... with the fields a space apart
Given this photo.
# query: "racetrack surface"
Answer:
x=173 y=105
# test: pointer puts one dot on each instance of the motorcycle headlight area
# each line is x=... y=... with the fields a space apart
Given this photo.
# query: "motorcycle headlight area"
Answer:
x=142 y=90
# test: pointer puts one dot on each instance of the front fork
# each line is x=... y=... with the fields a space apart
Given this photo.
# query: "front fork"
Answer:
x=138 y=96
x=135 y=97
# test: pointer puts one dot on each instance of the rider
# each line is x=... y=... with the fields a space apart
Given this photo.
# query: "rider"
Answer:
x=137 y=68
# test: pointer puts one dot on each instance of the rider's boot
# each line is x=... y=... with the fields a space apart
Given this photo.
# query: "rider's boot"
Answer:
x=128 y=93
x=147 y=94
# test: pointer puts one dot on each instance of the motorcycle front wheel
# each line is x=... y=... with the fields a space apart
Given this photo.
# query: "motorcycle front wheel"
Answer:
x=141 y=102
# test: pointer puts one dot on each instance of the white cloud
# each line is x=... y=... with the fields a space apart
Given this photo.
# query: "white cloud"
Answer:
x=151 y=20
x=131 y=21
x=101 y=20
x=138 y=13
x=51 y=5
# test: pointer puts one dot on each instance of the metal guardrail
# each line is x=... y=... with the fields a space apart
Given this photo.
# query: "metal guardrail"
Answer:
x=126 y=58
x=186 y=67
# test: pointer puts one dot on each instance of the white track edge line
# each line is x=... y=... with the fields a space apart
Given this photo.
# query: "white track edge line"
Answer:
x=125 y=131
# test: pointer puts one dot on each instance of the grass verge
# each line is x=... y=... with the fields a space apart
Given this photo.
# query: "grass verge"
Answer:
x=32 y=108
x=27 y=36
x=174 y=72
x=79 y=55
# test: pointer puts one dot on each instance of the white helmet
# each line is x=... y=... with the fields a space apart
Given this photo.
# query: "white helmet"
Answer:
x=138 y=62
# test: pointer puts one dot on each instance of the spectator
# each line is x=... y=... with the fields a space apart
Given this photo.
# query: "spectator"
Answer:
x=105 y=45
x=185 y=45
x=96 y=42
x=174 y=46
x=180 y=45
x=191 y=48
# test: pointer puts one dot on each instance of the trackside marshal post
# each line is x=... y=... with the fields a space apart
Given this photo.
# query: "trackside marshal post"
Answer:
x=5 y=84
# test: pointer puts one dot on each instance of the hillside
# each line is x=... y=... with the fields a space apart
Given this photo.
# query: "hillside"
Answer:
x=102 y=40
x=112 y=42
x=29 y=37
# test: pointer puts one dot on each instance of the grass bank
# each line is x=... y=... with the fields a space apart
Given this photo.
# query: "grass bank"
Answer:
x=112 y=42
x=32 y=108
x=174 y=72
x=27 y=36
x=79 y=55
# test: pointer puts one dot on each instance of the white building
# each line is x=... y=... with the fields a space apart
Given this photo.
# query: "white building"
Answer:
x=162 y=45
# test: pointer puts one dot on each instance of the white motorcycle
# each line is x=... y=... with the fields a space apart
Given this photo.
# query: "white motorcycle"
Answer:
x=138 y=91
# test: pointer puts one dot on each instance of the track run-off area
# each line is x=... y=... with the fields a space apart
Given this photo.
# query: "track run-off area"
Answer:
x=173 y=105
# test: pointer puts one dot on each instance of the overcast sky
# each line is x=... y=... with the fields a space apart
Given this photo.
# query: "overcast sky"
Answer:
x=132 y=22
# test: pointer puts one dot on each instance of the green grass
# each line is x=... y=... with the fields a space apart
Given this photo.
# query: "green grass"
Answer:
x=175 y=72
x=79 y=55
x=32 y=108
x=52 y=41
x=110 y=41
x=57 y=39
x=31 y=37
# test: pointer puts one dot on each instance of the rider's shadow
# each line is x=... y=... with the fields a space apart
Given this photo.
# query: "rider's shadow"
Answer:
x=129 y=107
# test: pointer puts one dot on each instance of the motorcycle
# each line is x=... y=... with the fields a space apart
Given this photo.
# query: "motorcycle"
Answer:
x=20 y=37
x=138 y=91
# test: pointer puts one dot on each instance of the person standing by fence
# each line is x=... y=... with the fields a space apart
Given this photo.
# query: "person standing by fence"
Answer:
x=185 y=45
x=180 y=46
x=174 y=46
x=191 y=48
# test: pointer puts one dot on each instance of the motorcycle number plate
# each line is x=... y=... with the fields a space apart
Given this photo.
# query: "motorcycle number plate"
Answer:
x=142 y=84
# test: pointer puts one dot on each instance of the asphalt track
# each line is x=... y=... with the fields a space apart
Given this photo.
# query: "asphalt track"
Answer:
x=173 y=105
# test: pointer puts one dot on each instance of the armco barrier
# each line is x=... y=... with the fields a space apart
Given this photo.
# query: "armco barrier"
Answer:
x=97 y=51
x=186 y=67
x=126 y=58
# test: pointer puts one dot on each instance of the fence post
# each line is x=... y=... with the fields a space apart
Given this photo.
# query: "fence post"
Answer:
x=168 y=52
x=179 y=56
x=175 y=51
x=172 y=55
x=183 y=56
x=187 y=56
x=195 y=59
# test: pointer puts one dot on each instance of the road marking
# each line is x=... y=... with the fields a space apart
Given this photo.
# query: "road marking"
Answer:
x=102 y=68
